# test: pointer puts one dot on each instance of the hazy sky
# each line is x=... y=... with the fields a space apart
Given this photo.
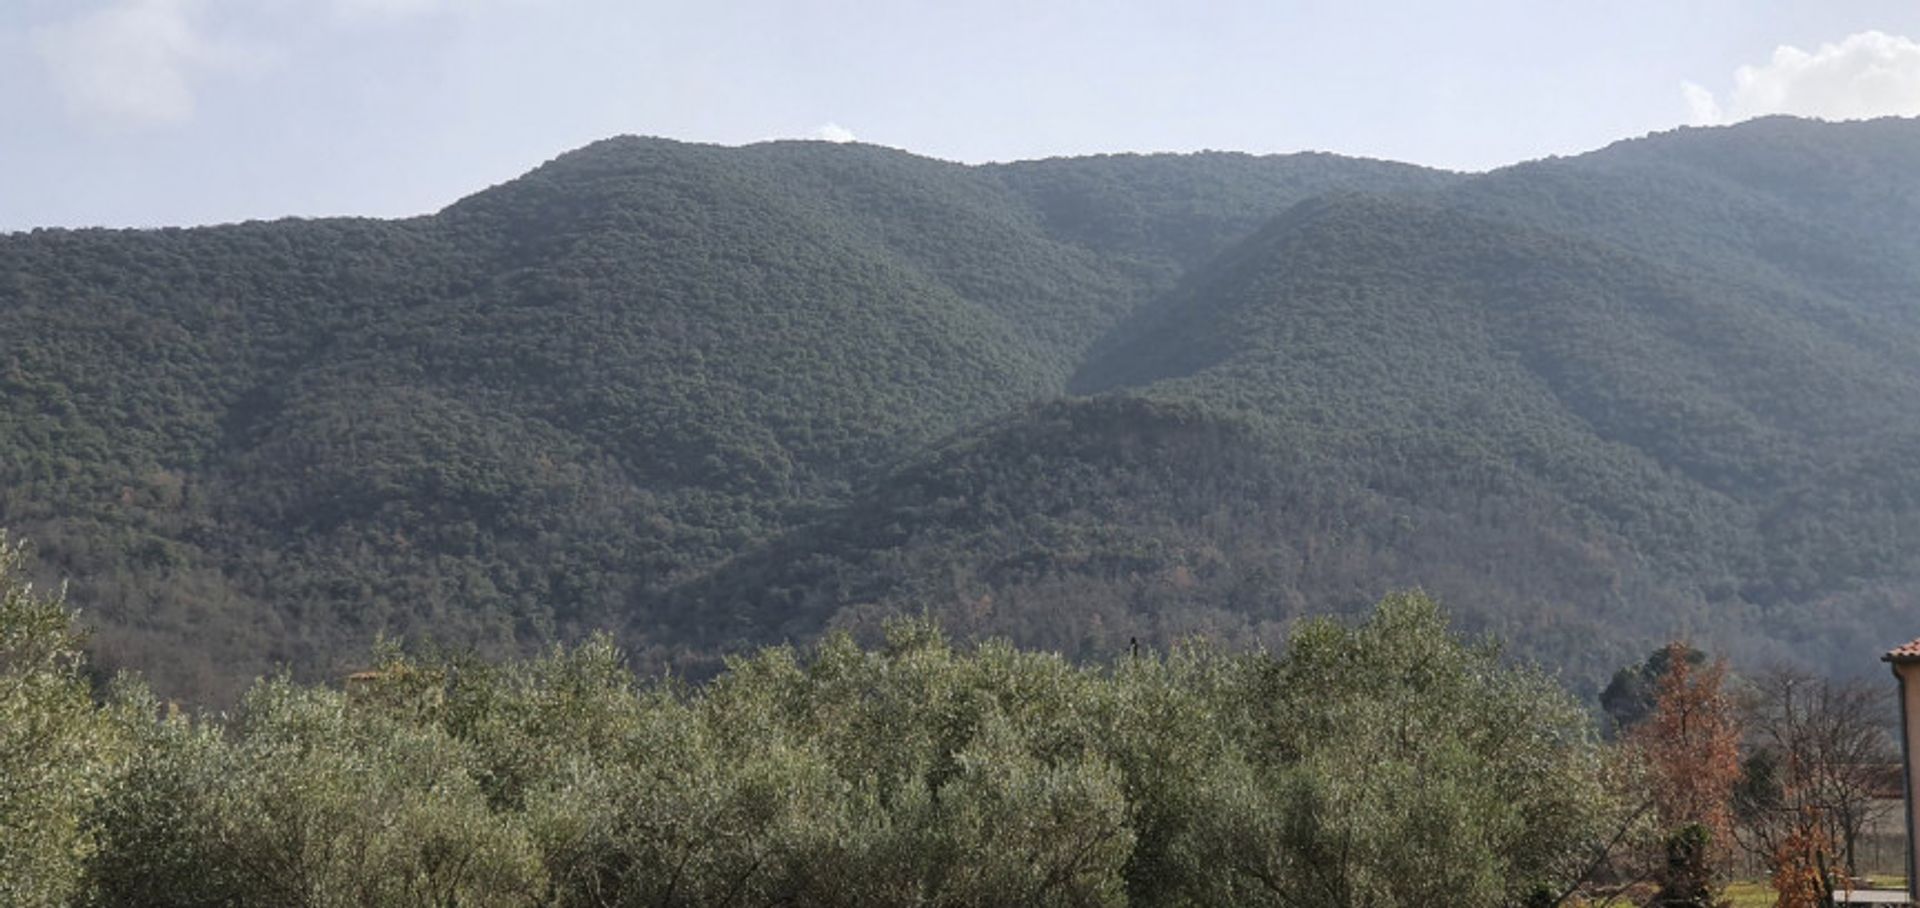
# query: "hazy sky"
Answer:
x=149 y=112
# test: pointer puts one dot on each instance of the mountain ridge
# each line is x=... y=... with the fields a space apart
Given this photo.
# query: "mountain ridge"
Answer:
x=1592 y=401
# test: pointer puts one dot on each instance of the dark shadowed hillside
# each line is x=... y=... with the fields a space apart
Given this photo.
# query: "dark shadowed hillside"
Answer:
x=719 y=396
x=1084 y=525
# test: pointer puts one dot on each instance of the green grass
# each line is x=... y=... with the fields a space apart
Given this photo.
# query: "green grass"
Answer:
x=1750 y=894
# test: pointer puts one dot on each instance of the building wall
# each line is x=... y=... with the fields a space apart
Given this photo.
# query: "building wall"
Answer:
x=1909 y=675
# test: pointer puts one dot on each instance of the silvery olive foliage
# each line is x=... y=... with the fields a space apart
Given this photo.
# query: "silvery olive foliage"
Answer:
x=56 y=750
x=1389 y=764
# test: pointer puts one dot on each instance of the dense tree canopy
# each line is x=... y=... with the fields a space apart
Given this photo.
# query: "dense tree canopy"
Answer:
x=715 y=398
x=917 y=772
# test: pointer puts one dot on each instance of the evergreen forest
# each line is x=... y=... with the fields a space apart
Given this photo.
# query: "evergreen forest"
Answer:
x=705 y=400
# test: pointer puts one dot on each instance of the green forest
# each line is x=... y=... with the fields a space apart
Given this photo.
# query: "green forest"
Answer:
x=708 y=400
x=1390 y=763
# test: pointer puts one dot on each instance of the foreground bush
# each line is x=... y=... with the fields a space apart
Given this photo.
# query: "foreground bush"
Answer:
x=1386 y=765
x=56 y=749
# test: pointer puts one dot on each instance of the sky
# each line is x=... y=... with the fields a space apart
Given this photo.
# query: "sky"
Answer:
x=177 y=112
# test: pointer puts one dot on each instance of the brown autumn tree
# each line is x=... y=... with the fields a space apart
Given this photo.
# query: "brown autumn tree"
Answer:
x=1800 y=861
x=1691 y=749
x=1818 y=754
x=1826 y=747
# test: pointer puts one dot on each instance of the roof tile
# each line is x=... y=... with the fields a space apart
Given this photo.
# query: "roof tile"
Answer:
x=1907 y=653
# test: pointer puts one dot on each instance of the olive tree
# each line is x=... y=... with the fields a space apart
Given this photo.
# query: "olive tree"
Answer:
x=56 y=749
x=1397 y=765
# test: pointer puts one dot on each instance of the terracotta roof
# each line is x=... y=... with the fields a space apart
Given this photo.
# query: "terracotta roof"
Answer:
x=1907 y=653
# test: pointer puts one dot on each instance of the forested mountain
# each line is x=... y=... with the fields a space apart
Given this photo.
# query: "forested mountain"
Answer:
x=724 y=396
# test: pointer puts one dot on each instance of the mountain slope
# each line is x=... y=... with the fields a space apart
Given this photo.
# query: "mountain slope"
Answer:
x=1649 y=369
x=527 y=415
x=1087 y=524
x=723 y=396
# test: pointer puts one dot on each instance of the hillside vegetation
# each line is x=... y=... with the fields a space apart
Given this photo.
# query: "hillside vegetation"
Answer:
x=915 y=773
x=712 y=398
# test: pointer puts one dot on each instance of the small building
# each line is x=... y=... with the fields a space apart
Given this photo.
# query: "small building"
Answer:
x=1906 y=667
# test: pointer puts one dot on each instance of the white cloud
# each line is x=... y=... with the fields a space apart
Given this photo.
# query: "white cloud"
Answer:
x=1870 y=74
x=385 y=9
x=832 y=132
x=134 y=61
x=1703 y=108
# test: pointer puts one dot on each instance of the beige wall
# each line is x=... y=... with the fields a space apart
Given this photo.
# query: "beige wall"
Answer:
x=1909 y=675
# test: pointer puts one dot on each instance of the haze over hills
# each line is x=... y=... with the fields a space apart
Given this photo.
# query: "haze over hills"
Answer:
x=722 y=396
